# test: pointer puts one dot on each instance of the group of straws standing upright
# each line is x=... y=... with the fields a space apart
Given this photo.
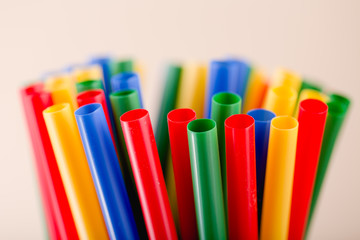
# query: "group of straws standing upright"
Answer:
x=243 y=158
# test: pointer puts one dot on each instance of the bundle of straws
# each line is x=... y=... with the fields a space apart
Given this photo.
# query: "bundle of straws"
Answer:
x=243 y=158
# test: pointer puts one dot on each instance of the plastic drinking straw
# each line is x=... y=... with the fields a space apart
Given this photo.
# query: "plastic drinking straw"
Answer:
x=280 y=100
x=167 y=104
x=62 y=90
x=242 y=70
x=75 y=173
x=284 y=77
x=149 y=179
x=122 y=102
x=121 y=66
x=312 y=117
x=192 y=88
x=307 y=84
x=262 y=128
x=224 y=76
x=56 y=206
x=104 y=63
x=96 y=96
x=256 y=91
x=224 y=104
x=178 y=120
x=87 y=72
x=310 y=94
x=337 y=110
x=206 y=176
x=241 y=177
x=89 y=85
x=279 y=176
x=127 y=80
x=106 y=173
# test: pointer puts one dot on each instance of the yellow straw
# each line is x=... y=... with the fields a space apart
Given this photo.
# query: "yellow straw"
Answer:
x=279 y=178
x=75 y=173
x=284 y=77
x=192 y=88
x=85 y=73
x=281 y=100
x=256 y=91
x=62 y=90
x=310 y=94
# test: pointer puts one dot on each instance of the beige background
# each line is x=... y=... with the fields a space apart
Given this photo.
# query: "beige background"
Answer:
x=320 y=39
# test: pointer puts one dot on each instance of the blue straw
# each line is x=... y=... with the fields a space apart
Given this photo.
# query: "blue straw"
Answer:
x=262 y=128
x=226 y=76
x=126 y=81
x=105 y=171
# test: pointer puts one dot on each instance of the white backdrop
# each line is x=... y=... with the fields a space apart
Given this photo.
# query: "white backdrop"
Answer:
x=319 y=39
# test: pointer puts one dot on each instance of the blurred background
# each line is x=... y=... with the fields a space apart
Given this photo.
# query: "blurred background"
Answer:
x=318 y=39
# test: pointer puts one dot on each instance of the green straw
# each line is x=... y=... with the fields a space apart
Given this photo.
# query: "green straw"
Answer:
x=337 y=109
x=306 y=84
x=167 y=104
x=126 y=65
x=206 y=175
x=224 y=105
x=89 y=85
x=121 y=102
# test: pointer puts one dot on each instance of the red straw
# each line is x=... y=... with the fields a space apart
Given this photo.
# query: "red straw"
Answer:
x=144 y=159
x=241 y=177
x=312 y=118
x=178 y=120
x=57 y=209
x=96 y=96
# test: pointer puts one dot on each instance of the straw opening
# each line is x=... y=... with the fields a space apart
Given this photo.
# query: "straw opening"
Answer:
x=336 y=108
x=123 y=93
x=313 y=106
x=261 y=115
x=181 y=115
x=133 y=115
x=226 y=98
x=57 y=108
x=89 y=94
x=201 y=125
x=284 y=123
x=87 y=109
x=239 y=121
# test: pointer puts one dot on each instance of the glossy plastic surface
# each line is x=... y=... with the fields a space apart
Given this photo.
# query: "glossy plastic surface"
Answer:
x=192 y=88
x=310 y=94
x=280 y=100
x=312 y=117
x=241 y=177
x=62 y=90
x=337 y=111
x=122 y=102
x=126 y=81
x=168 y=103
x=149 y=179
x=262 y=129
x=256 y=90
x=285 y=77
x=121 y=66
x=87 y=72
x=56 y=206
x=226 y=76
x=75 y=172
x=279 y=176
x=89 y=85
x=224 y=104
x=178 y=120
x=96 y=96
x=107 y=177
x=206 y=177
